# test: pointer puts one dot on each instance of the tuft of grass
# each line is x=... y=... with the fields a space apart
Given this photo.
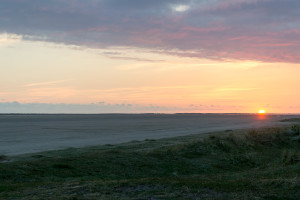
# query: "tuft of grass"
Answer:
x=290 y=156
x=62 y=166
x=267 y=136
x=2 y=158
x=296 y=128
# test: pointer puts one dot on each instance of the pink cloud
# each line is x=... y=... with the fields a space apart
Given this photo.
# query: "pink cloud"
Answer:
x=265 y=30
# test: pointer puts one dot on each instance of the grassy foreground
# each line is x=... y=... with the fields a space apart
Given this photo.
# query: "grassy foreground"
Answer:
x=245 y=164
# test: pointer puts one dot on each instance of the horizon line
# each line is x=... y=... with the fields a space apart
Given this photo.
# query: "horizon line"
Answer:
x=141 y=113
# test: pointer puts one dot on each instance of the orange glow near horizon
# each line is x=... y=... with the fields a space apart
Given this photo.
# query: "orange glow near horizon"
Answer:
x=262 y=115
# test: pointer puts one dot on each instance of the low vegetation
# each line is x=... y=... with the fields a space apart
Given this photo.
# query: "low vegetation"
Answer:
x=291 y=120
x=2 y=158
x=255 y=164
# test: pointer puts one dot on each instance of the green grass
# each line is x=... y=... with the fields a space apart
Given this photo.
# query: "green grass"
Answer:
x=255 y=164
x=2 y=158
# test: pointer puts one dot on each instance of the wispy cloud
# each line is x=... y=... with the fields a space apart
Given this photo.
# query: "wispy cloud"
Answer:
x=8 y=39
x=49 y=83
x=235 y=89
x=134 y=59
x=265 y=30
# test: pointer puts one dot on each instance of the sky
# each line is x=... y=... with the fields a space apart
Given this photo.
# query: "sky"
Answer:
x=136 y=56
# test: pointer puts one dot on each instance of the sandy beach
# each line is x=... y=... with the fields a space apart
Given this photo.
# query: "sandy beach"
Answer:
x=20 y=134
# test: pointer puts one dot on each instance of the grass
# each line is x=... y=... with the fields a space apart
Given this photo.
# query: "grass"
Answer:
x=2 y=158
x=255 y=164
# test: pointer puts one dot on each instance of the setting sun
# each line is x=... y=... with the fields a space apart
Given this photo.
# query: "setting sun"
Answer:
x=262 y=111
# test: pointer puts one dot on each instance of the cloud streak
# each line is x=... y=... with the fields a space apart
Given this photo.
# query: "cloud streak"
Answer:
x=264 y=30
x=49 y=83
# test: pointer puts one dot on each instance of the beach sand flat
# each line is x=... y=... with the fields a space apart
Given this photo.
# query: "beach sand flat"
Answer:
x=20 y=134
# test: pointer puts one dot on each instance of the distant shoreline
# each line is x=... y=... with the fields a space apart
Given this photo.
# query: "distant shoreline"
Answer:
x=147 y=113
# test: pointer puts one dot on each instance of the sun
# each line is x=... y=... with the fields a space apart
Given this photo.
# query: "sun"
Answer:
x=262 y=112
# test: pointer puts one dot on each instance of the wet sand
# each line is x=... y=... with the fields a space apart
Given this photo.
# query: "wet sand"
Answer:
x=20 y=134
